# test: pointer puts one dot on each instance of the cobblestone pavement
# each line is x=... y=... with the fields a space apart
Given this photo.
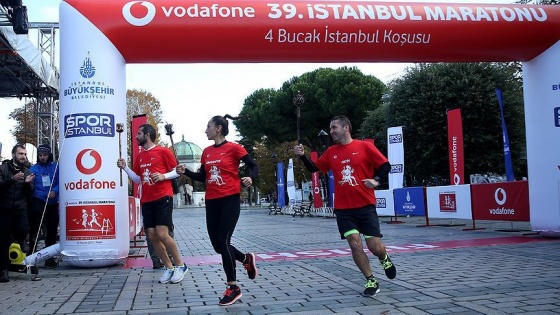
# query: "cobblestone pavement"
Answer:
x=305 y=268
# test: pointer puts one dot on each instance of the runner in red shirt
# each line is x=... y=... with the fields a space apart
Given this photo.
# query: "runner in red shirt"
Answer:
x=220 y=168
x=358 y=167
x=154 y=168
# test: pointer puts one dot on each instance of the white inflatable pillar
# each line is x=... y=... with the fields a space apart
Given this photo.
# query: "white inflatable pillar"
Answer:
x=93 y=204
x=541 y=88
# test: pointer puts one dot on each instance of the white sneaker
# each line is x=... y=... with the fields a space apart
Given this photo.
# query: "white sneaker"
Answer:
x=167 y=275
x=179 y=273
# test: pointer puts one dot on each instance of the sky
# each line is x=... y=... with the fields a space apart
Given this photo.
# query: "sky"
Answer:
x=190 y=94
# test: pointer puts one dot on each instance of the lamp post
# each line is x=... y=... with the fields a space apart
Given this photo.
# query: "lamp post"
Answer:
x=298 y=100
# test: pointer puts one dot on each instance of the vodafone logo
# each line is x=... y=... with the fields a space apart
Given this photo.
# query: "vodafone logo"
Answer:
x=456 y=179
x=90 y=164
x=150 y=14
x=500 y=196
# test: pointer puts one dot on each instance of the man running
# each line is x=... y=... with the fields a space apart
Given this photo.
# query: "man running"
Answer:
x=354 y=202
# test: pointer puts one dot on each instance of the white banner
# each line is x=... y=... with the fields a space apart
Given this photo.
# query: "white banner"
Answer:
x=291 y=183
x=385 y=202
x=541 y=90
x=449 y=202
x=396 y=157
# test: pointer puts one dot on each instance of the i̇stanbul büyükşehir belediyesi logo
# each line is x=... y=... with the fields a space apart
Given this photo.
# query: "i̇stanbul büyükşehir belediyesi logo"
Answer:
x=150 y=14
x=88 y=88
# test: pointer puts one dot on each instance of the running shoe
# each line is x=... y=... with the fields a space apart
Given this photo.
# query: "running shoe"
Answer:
x=230 y=296
x=250 y=266
x=372 y=287
x=179 y=273
x=389 y=267
x=167 y=274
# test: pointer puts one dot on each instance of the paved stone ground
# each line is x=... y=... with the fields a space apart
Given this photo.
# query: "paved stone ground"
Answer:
x=521 y=277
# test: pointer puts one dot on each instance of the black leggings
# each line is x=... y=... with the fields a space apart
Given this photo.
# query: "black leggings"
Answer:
x=221 y=218
x=50 y=220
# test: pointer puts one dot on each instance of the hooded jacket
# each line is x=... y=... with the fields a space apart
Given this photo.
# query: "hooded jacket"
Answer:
x=49 y=170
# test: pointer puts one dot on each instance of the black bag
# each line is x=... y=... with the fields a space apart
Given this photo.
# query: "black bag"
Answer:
x=19 y=19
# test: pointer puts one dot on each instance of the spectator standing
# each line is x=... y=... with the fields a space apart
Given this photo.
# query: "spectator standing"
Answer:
x=43 y=206
x=16 y=188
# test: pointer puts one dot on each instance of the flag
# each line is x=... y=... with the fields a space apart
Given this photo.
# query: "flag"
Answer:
x=280 y=184
x=455 y=147
x=291 y=183
x=507 y=152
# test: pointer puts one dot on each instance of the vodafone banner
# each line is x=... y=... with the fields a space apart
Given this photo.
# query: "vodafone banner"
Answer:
x=316 y=184
x=508 y=201
x=455 y=140
x=319 y=31
x=99 y=37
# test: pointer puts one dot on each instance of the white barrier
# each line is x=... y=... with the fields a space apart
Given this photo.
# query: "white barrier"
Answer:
x=449 y=202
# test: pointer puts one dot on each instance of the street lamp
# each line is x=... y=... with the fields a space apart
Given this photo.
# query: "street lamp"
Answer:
x=298 y=100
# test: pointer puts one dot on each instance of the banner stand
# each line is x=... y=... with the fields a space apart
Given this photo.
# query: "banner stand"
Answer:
x=425 y=210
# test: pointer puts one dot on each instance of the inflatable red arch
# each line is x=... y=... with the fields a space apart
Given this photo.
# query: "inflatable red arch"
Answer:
x=99 y=37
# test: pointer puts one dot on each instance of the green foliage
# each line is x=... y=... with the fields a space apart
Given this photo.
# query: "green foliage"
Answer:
x=419 y=101
x=270 y=115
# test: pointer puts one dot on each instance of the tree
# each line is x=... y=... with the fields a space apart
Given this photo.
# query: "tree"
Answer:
x=419 y=101
x=270 y=115
x=25 y=129
x=269 y=123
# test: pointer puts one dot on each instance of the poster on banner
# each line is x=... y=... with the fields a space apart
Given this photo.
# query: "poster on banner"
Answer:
x=449 y=202
x=384 y=205
x=410 y=201
x=90 y=222
x=395 y=149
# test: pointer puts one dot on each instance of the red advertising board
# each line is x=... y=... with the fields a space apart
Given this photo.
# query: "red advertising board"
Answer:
x=316 y=184
x=507 y=201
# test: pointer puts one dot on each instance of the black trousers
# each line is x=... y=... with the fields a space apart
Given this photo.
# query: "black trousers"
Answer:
x=222 y=215
x=50 y=220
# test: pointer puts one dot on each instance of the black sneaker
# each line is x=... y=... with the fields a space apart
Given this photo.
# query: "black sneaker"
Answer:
x=372 y=287
x=389 y=267
x=157 y=264
x=230 y=296
x=51 y=263
x=250 y=266
x=4 y=276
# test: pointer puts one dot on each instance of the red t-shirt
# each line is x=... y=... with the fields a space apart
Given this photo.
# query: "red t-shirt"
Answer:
x=155 y=160
x=351 y=163
x=221 y=165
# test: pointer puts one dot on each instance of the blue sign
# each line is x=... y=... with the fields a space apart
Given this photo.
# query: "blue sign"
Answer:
x=89 y=124
x=409 y=201
x=557 y=116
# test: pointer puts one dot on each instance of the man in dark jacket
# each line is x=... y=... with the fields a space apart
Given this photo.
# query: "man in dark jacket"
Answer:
x=43 y=207
x=16 y=187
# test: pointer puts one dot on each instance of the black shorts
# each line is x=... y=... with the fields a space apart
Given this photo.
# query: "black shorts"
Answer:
x=158 y=212
x=364 y=220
